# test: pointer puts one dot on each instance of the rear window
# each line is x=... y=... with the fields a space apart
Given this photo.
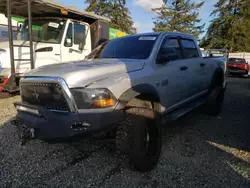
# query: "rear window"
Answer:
x=190 y=50
x=132 y=47
x=236 y=60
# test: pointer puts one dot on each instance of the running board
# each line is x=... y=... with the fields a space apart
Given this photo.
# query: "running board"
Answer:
x=182 y=111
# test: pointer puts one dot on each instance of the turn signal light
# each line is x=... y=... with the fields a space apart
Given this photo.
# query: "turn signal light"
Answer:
x=102 y=103
x=64 y=12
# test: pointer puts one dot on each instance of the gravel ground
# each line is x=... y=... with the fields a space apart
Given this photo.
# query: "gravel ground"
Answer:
x=198 y=151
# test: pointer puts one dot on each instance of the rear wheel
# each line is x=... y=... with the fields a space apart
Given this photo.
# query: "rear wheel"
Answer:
x=215 y=101
x=139 y=137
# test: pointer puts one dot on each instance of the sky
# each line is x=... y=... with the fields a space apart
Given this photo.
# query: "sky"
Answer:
x=141 y=11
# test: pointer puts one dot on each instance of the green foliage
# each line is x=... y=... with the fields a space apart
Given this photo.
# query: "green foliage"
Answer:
x=115 y=10
x=179 y=15
x=230 y=27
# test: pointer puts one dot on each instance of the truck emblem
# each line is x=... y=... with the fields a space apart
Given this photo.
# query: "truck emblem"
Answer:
x=35 y=95
x=57 y=96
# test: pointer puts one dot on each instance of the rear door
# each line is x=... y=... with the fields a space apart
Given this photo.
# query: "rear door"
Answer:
x=198 y=75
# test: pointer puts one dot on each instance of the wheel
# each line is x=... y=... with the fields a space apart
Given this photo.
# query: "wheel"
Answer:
x=215 y=101
x=139 y=137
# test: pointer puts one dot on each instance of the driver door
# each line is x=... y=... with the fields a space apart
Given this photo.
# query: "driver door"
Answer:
x=75 y=38
x=172 y=75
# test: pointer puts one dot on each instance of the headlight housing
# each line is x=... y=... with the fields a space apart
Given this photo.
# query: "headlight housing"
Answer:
x=87 y=98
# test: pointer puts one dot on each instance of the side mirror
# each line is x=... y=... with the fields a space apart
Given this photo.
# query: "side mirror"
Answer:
x=167 y=54
x=68 y=42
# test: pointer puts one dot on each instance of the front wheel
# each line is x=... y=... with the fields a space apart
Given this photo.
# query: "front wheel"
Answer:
x=215 y=101
x=139 y=136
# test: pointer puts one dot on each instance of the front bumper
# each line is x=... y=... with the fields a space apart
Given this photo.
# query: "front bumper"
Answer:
x=51 y=124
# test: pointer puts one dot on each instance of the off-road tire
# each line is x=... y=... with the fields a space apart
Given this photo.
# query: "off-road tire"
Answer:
x=130 y=138
x=214 y=101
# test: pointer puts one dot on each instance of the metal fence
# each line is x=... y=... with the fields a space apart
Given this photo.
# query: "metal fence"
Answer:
x=241 y=55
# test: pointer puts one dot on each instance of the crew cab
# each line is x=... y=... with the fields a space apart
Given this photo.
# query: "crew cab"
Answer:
x=137 y=84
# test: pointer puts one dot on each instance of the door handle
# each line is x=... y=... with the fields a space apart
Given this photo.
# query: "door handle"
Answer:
x=202 y=64
x=183 y=68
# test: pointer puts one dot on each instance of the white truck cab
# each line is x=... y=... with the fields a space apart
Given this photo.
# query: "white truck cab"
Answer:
x=59 y=34
x=55 y=40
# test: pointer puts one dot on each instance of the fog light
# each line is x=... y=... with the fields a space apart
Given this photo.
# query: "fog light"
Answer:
x=29 y=110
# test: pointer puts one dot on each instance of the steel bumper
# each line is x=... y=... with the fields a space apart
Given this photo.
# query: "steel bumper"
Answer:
x=53 y=124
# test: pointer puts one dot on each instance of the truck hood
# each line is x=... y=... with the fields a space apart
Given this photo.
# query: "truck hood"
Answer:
x=82 y=73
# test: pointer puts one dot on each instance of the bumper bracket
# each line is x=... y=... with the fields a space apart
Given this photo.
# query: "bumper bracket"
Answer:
x=26 y=132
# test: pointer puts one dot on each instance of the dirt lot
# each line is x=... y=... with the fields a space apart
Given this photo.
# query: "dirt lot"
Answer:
x=198 y=151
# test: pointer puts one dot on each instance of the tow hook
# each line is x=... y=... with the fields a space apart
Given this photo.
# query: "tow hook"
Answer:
x=26 y=133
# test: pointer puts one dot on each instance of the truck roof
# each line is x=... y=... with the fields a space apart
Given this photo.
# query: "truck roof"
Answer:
x=162 y=33
x=50 y=8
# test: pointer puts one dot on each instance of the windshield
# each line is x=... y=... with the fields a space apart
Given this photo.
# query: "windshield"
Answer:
x=97 y=51
x=46 y=30
x=236 y=60
x=132 y=47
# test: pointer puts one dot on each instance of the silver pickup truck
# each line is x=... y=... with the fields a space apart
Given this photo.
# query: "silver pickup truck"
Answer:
x=137 y=84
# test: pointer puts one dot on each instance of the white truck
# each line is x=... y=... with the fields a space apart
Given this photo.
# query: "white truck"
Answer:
x=62 y=34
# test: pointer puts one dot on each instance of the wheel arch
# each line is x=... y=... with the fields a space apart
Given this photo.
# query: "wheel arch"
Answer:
x=145 y=92
x=218 y=78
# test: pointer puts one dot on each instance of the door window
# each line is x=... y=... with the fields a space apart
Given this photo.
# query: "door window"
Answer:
x=171 y=48
x=189 y=49
x=79 y=34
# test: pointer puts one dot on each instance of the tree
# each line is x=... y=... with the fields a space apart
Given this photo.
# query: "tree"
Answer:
x=179 y=15
x=115 y=10
x=230 y=27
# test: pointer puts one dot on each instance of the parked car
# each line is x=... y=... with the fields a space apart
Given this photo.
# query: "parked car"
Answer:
x=138 y=83
x=238 y=66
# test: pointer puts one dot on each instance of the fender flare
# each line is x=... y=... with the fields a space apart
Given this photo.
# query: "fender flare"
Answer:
x=218 y=71
x=135 y=91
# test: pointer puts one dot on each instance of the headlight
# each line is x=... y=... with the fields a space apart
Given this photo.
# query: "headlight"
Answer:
x=87 y=98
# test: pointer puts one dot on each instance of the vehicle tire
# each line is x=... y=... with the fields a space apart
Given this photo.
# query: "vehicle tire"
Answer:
x=139 y=138
x=214 y=102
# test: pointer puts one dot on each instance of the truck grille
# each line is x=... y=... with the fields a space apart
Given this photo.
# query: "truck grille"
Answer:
x=48 y=95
